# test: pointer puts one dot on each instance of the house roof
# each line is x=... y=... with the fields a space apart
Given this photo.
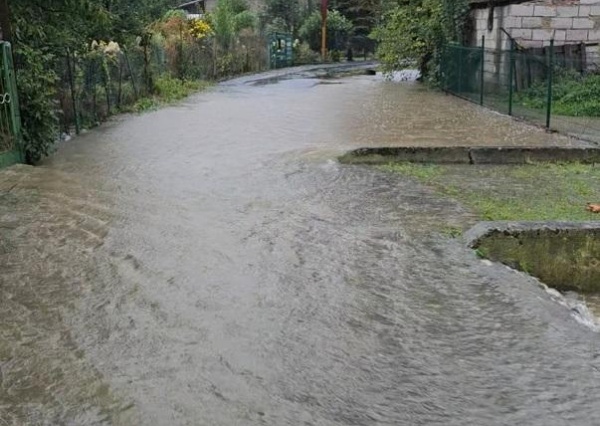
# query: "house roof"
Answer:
x=189 y=3
x=482 y=4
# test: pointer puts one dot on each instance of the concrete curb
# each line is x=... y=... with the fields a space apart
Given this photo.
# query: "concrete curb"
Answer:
x=477 y=233
x=474 y=155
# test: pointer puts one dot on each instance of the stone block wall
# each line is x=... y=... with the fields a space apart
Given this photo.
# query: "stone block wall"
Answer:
x=535 y=23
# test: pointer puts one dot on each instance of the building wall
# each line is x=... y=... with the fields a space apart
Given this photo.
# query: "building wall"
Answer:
x=535 y=23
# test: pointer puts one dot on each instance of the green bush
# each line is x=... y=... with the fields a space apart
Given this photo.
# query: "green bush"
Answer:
x=304 y=55
x=339 y=30
x=573 y=94
x=36 y=83
x=167 y=90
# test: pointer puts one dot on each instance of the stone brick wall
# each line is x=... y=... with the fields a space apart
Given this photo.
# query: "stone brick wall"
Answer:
x=535 y=23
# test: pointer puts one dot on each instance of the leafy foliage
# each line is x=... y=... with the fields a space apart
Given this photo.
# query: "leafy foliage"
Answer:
x=416 y=31
x=284 y=15
x=339 y=30
x=304 y=55
x=573 y=94
x=38 y=110
x=43 y=31
x=229 y=19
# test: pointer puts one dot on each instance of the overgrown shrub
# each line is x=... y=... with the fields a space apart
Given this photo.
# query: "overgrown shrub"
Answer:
x=36 y=82
x=573 y=94
x=339 y=31
x=304 y=55
x=417 y=31
x=170 y=89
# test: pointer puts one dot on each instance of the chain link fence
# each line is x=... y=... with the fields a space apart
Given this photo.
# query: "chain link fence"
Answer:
x=10 y=122
x=557 y=87
x=101 y=82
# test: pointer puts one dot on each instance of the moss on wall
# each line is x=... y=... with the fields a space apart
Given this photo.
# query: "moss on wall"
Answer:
x=566 y=259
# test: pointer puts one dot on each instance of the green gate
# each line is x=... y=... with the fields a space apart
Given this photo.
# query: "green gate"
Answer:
x=11 y=151
x=281 y=51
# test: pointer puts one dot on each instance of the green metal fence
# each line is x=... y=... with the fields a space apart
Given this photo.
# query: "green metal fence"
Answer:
x=94 y=85
x=556 y=87
x=280 y=50
x=10 y=123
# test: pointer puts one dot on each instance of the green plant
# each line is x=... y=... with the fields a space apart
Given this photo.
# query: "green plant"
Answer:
x=339 y=30
x=170 y=89
x=303 y=54
x=167 y=90
x=480 y=253
x=145 y=104
x=573 y=94
x=281 y=15
x=229 y=19
x=529 y=192
x=417 y=31
x=451 y=231
x=425 y=173
x=39 y=113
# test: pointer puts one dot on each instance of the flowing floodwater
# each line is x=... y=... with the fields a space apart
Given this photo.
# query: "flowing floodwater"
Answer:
x=212 y=264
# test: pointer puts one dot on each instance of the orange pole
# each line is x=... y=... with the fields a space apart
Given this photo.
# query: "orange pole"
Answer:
x=324 y=39
x=324 y=29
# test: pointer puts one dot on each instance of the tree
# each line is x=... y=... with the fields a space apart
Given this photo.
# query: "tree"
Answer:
x=43 y=31
x=364 y=15
x=339 y=30
x=229 y=19
x=286 y=13
x=416 y=31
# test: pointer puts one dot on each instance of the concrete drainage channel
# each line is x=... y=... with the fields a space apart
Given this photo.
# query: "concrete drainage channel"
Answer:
x=563 y=255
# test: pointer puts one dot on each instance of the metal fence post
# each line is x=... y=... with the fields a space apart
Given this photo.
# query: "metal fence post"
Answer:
x=550 y=78
x=135 y=91
x=482 y=85
x=443 y=77
x=510 y=76
x=460 y=62
x=9 y=77
x=71 y=76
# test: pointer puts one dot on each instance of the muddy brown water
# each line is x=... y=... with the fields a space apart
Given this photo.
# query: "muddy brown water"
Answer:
x=212 y=264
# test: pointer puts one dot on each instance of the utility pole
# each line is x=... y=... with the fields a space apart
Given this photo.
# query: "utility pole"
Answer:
x=323 y=29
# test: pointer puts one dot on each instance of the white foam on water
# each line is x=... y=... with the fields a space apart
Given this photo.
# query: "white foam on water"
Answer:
x=578 y=308
x=401 y=75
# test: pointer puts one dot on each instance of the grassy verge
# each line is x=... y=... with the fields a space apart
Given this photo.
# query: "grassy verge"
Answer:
x=167 y=91
x=532 y=192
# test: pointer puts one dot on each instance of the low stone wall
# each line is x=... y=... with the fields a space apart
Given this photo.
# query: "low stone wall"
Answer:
x=563 y=255
x=473 y=155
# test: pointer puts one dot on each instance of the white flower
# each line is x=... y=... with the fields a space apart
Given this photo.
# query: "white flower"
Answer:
x=112 y=48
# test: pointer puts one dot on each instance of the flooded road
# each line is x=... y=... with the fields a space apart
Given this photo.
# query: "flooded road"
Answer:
x=212 y=264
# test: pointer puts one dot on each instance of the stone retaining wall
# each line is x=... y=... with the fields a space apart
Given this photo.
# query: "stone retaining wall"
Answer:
x=563 y=255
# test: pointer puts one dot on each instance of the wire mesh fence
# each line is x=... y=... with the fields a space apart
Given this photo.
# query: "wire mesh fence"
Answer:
x=102 y=81
x=10 y=123
x=557 y=87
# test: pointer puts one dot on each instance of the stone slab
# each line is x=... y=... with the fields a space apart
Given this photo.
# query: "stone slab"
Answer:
x=476 y=155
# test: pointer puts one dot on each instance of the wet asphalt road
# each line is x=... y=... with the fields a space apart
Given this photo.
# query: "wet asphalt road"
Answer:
x=212 y=264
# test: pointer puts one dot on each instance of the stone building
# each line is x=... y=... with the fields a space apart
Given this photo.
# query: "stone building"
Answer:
x=534 y=23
